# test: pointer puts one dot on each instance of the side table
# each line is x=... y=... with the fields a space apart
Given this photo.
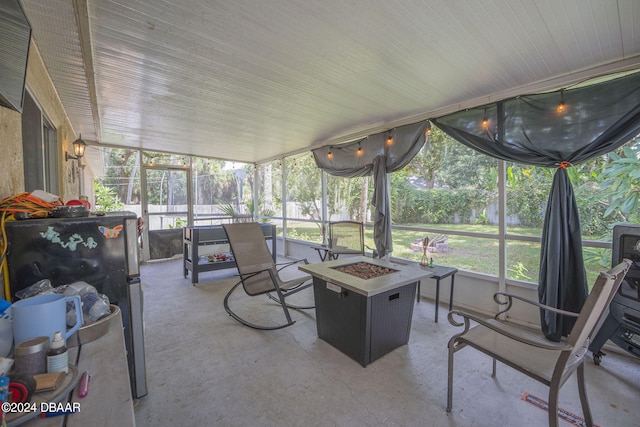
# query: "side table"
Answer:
x=439 y=272
x=324 y=251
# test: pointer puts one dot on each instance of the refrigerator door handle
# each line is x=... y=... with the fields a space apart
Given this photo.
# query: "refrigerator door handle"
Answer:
x=137 y=336
x=131 y=234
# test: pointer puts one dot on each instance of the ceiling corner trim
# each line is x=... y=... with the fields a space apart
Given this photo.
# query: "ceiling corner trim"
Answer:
x=84 y=35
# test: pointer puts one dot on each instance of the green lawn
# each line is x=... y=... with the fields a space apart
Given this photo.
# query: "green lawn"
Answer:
x=473 y=253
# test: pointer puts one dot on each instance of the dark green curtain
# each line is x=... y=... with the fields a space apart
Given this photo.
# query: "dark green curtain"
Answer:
x=528 y=129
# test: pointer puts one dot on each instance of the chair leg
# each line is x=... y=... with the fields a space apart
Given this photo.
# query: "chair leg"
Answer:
x=450 y=376
x=283 y=303
x=584 y=401
x=295 y=307
x=553 y=403
x=249 y=324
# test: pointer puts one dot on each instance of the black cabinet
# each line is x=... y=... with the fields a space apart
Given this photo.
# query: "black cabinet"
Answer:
x=196 y=236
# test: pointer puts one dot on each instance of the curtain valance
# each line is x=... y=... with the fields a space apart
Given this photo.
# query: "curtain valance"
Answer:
x=344 y=160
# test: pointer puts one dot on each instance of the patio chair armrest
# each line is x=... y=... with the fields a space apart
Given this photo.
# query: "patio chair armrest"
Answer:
x=509 y=302
x=516 y=333
x=290 y=263
x=244 y=276
x=374 y=251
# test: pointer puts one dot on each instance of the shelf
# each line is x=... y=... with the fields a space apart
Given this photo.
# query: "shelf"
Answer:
x=199 y=236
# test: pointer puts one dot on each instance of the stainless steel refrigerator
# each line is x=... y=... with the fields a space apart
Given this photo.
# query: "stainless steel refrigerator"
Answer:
x=100 y=250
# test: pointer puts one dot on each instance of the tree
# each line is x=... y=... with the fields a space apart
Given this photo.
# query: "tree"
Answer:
x=528 y=192
x=106 y=198
x=622 y=183
x=270 y=179
x=465 y=168
x=304 y=186
x=122 y=173
x=428 y=161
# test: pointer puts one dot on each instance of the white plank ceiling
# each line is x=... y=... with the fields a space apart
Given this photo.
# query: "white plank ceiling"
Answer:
x=252 y=80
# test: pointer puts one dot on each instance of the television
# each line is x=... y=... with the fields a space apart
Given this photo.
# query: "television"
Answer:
x=15 y=34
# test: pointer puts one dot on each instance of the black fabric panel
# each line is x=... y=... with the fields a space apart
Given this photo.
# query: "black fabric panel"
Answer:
x=563 y=279
x=528 y=129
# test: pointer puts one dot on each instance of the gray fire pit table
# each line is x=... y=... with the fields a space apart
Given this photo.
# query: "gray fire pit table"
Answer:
x=364 y=318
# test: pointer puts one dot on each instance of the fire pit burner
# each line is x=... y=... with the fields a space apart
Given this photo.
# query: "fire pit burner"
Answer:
x=364 y=270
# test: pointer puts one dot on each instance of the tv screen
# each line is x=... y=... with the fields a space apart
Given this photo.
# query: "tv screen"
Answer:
x=15 y=33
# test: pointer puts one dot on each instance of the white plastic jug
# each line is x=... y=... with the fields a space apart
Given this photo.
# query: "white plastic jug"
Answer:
x=6 y=333
x=43 y=315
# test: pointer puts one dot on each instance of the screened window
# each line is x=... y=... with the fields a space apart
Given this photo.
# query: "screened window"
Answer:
x=222 y=191
x=604 y=192
x=349 y=198
x=304 y=204
x=117 y=188
x=527 y=190
x=270 y=189
x=447 y=194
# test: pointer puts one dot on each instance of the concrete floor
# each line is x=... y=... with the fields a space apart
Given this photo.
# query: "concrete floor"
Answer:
x=206 y=369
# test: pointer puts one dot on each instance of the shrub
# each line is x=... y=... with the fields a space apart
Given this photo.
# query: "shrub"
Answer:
x=438 y=206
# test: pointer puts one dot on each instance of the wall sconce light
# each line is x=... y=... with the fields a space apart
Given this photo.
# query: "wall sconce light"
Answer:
x=78 y=150
x=561 y=108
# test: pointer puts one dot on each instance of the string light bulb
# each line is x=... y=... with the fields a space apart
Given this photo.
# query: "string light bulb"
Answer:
x=561 y=108
x=390 y=139
x=485 y=120
x=428 y=131
x=359 y=149
x=330 y=154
